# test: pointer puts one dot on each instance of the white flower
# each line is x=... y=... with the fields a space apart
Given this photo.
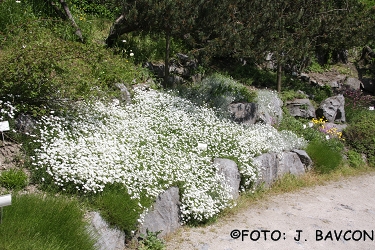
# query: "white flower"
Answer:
x=131 y=54
x=150 y=145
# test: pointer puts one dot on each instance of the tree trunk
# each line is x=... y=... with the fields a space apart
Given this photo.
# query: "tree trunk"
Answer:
x=118 y=28
x=74 y=24
x=166 y=61
x=279 y=75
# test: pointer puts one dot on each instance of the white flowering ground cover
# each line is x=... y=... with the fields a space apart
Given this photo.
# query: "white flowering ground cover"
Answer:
x=150 y=146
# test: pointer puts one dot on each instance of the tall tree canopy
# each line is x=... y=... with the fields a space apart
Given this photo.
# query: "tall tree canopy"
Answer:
x=288 y=30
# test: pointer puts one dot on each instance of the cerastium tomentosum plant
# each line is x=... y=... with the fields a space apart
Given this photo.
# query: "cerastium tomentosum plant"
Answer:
x=151 y=145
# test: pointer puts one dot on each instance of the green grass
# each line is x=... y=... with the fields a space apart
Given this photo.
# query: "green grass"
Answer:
x=118 y=209
x=44 y=222
x=324 y=157
x=13 y=179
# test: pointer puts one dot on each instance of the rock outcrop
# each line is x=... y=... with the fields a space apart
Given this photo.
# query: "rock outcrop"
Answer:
x=301 y=108
x=247 y=113
x=107 y=238
x=230 y=171
x=164 y=216
x=332 y=109
x=275 y=165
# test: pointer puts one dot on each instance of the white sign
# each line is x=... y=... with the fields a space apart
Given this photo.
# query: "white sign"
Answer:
x=4 y=126
x=5 y=200
x=202 y=146
x=371 y=108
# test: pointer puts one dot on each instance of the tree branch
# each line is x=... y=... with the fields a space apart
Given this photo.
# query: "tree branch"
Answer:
x=70 y=16
x=117 y=29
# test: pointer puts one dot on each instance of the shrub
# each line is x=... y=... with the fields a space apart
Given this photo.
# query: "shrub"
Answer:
x=355 y=159
x=39 y=71
x=13 y=179
x=107 y=9
x=356 y=104
x=361 y=135
x=324 y=157
x=218 y=92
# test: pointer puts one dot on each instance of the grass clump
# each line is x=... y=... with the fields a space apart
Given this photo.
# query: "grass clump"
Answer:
x=119 y=209
x=325 y=158
x=44 y=222
x=13 y=179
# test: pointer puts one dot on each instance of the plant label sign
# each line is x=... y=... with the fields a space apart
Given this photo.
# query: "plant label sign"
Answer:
x=371 y=108
x=4 y=126
x=5 y=200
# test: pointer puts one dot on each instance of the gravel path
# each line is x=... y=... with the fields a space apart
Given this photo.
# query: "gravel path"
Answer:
x=339 y=215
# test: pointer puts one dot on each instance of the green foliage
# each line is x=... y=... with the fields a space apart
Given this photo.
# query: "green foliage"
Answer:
x=356 y=104
x=13 y=14
x=119 y=209
x=44 y=222
x=299 y=127
x=13 y=179
x=355 y=159
x=218 y=91
x=146 y=46
x=361 y=135
x=150 y=241
x=100 y=8
x=315 y=67
x=290 y=95
x=315 y=93
x=325 y=158
x=248 y=74
x=39 y=69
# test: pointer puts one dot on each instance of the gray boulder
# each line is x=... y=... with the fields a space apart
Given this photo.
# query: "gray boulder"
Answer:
x=231 y=173
x=269 y=164
x=124 y=93
x=305 y=158
x=249 y=113
x=274 y=166
x=290 y=163
x=244 y=112
x=333 y=109
x=107 y=238
x=301 y=108
x=164 y=215
x=353 y=83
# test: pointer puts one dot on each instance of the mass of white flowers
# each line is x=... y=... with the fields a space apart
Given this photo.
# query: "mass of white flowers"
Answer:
x=151 y=145
x=7 y=110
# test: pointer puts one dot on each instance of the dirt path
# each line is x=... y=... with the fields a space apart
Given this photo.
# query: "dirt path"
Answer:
x=347 y=206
